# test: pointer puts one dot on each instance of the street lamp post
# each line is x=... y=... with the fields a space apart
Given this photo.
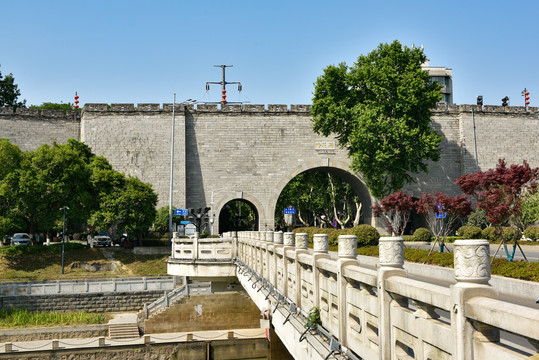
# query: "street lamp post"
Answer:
x=63 y=234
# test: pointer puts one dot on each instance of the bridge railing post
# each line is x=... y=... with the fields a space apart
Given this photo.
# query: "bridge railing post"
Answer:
x=269 y=248
x=347 y=247
x=289 y=242
x=391 y=254
x=472 y=272
x=302 y=246
x=278 y=241
x=321 y=250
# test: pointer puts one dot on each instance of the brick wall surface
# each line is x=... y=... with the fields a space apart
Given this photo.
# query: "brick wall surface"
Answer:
x=227 y=154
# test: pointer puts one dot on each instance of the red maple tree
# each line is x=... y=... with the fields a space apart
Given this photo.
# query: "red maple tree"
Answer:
x=500 y=193
x=395 y=210
x=441 y=213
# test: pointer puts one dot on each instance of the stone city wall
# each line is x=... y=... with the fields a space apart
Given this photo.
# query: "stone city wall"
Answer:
x=251 y=152
x=30 y=128
x=90 y=302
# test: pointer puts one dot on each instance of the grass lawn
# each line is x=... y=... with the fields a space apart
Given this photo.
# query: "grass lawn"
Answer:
x=21 y=318
x=41 y=263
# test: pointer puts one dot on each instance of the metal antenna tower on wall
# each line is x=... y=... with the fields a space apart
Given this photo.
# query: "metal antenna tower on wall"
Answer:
x=224 y=83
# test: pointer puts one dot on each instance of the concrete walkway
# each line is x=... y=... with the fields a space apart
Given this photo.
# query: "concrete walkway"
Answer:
x=84 y=343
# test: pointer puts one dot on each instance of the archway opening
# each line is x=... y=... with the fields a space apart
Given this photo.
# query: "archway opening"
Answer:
x=238 y=215
x=323 y=197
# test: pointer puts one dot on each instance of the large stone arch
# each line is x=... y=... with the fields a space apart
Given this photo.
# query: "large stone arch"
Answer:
x=334 y=167
x=242 y=196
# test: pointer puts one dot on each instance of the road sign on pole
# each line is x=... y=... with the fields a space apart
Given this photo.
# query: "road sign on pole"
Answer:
x=440 y=214
x=290 y=210
x=181 y=212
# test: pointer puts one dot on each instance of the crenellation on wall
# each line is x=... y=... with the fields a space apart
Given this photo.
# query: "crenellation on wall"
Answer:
x=55 y=113
x=277 y=108
x=122 y=107
x=254 y=108
x=207 y=107
x=300 y=108
x=148 y=107
x=96 y=107
x=231 y=108
x=27 y=111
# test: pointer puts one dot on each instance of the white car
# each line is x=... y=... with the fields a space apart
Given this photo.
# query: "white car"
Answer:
x=21 y=239
x=102 y=239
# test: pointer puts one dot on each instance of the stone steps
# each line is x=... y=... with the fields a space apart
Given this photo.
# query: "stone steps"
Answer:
x=123 y=331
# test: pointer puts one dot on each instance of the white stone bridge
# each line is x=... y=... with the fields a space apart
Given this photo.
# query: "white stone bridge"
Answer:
x=371 y=308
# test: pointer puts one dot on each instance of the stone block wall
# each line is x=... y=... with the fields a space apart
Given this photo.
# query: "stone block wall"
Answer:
x=90 y=302
x=218 y=311
x=28 y=129
x=251 y=152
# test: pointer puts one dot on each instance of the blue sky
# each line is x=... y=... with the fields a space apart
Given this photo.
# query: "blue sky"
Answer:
x=119 y=51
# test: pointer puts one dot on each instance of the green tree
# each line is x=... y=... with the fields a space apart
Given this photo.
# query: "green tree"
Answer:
x=51 y=177
x=11 y=158
x=319 y=198
x=9 y=92
x=136 y=207
x=380 y=111
x=162 y=217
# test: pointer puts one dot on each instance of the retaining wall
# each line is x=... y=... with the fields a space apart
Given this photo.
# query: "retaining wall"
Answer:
x=63 y=332
x=90 y=302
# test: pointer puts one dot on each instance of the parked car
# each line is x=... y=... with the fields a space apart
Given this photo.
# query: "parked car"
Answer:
x=21 y=239
x=102 y=239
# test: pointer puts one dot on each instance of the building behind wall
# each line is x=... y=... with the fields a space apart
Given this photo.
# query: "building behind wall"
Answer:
x=445 y=77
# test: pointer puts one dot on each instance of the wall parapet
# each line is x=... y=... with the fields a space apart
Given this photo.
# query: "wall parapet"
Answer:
x=384 y=312
x=277 y=108
x=89 y=286
x=69 y=115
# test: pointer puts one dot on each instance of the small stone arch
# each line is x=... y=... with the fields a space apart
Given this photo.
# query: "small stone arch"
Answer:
x=335 y=167
x=253 y=201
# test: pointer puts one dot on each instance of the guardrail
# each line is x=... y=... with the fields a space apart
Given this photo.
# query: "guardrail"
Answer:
x=208 y=249
x=382 y=312
x=89 y=286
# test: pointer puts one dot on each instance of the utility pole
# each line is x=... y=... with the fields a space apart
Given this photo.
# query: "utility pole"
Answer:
x=223 y=83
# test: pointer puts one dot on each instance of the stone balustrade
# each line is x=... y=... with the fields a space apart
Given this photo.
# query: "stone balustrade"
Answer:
x=382 y=312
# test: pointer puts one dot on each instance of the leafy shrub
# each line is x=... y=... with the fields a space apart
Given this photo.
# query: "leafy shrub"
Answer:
x=489 y=234
x=516 y=269
x=366 y=234
x=470 y=232
x=477 y=218
x=510 y=233
x=451 y=239
x=532 y=233
x=408 y=237
x=422 y=234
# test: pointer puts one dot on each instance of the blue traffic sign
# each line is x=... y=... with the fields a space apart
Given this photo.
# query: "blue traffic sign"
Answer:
x=440 y=214
x=290 y=210
x=181 y=212
x=185 y=222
